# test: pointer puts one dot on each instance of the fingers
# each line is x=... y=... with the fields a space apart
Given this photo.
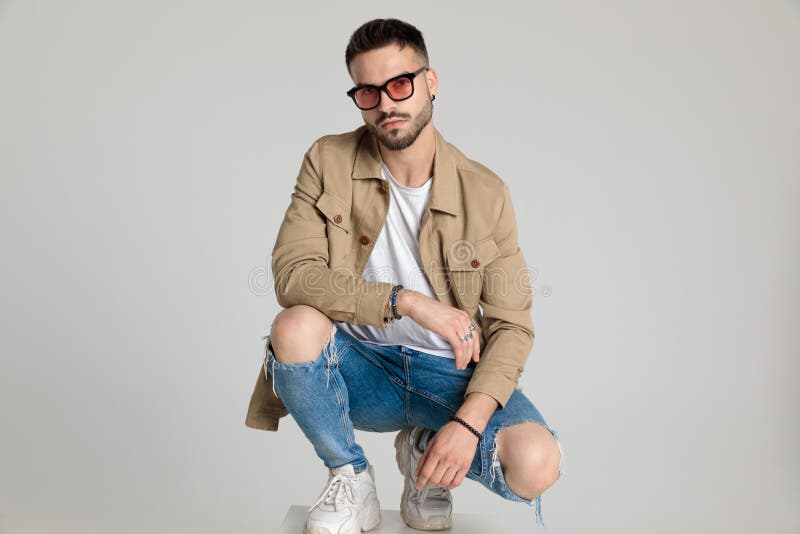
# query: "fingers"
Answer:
x=448 y=477
x=463 y=351
x=442 y=474
x=459 y=478
x=424 y=471
x=458 y=349
x=438 y=475
x=476 y=349
x=442 y=466
x=421 y=464
x=471 y=349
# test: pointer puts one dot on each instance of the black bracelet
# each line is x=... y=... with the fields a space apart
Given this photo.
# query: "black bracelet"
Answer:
x=395 y=289
x=469 y=427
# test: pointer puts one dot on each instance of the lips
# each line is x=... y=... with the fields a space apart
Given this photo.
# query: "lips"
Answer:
x=392 y=124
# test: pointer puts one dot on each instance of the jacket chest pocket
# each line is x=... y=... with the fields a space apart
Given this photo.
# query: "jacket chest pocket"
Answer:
x=337 y=215
x=466 y=264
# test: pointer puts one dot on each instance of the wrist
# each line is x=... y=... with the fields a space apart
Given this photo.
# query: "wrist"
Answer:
x=475 y=432
x=475 y=422
x=392 y=309
x=406 y=299
x=477 y=409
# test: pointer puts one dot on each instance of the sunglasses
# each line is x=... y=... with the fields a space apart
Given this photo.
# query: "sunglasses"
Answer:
x=398 y=88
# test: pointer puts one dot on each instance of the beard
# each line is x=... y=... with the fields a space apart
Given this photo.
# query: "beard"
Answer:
x=391 y=139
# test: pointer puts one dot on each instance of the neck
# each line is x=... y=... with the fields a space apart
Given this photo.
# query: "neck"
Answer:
x=412 y=166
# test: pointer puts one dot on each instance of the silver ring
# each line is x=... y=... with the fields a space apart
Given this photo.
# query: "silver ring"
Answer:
x=466 y=337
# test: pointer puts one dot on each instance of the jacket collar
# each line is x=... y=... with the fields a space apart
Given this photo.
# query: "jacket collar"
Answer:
x=445 y=189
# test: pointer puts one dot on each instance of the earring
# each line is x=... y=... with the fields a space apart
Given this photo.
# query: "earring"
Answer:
x=433 y=98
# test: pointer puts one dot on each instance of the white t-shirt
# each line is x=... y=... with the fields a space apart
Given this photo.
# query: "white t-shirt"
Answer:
x=395 y=259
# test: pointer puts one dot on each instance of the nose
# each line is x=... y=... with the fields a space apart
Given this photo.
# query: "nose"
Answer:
x=386 y=104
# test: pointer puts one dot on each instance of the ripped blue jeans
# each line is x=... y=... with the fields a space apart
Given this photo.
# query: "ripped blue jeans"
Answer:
x=385 y=388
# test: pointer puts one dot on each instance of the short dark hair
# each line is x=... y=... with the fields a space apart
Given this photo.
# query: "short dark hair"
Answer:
x=378 y=33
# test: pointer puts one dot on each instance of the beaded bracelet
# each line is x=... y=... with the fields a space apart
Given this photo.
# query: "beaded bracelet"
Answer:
x=395 y=289
x=469 y=427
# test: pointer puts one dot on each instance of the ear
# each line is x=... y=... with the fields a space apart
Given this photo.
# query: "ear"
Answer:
x=432 y=79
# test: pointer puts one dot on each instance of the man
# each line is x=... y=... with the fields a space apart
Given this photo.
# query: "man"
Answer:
x=406 y=307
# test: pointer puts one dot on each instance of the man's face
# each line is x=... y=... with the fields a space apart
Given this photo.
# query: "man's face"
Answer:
x=396 y=124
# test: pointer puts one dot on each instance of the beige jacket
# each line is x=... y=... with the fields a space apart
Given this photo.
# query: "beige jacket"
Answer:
x=467 y=241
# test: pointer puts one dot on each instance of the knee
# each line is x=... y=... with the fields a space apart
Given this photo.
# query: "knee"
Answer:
x=532 y=461
x=534 y=481
x=299 y=333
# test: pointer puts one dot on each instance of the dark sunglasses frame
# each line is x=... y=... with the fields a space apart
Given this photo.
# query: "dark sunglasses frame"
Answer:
x=384 y=88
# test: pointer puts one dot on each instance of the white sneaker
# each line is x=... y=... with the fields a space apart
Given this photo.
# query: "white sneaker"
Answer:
x=348 y=504
x=431 y=507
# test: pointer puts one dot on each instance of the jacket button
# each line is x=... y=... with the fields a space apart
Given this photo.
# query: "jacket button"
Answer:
x=475 y=264
x=365 y=240
x=337 y=219
x=382 y=188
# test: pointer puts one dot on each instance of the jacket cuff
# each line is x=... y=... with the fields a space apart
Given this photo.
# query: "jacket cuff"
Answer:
x=497 y=387
x=372 y=303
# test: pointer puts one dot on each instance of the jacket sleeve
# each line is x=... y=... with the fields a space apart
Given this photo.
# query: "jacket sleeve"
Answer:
x=507 y=327
x=300 y=260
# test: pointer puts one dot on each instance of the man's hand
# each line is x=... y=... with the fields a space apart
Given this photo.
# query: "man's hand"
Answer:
x=447 y=321
x=449 y=454
x=447 y=458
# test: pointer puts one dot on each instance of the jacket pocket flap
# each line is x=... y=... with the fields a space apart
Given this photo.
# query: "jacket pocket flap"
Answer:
x=336 y=211
x=465 y=255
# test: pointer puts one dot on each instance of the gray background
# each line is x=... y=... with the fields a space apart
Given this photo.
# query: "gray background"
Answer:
x=147 y=154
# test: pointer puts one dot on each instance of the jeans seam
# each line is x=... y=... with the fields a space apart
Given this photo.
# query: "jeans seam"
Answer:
x=433 y=398
x=333 y=355
x=343 y=413
x=407 y=371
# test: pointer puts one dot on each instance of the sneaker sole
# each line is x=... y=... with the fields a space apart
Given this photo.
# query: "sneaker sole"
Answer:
x=370 y=524
x=436 y=522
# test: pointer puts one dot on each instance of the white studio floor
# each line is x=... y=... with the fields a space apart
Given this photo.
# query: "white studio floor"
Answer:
x=392 y=523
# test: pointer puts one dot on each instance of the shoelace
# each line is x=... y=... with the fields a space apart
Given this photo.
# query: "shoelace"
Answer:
x=341 y=489
x=434 y=491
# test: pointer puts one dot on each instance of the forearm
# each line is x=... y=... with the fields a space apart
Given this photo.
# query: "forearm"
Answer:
x=337 y=293
x=507 y=326
x=406 y=300
x=477 y=409
x=502 y=361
